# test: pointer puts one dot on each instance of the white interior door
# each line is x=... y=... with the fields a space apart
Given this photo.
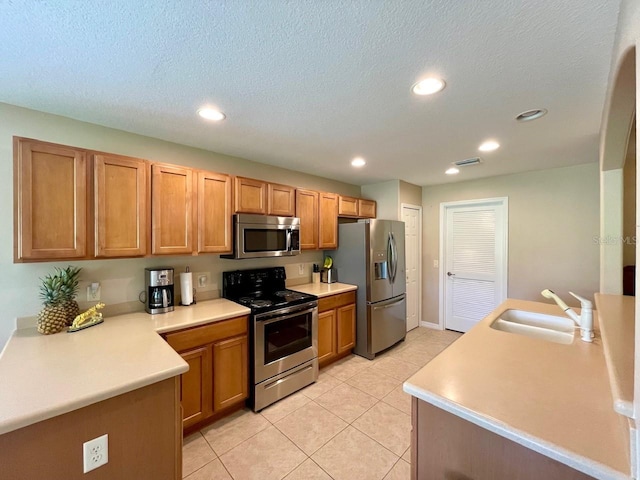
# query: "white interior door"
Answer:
x=412 y=218
x=474 y=275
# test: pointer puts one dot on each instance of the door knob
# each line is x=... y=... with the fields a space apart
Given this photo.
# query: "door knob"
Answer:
x=451 y=274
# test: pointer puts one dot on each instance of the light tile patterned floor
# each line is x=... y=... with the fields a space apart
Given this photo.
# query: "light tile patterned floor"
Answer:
x=353 y=423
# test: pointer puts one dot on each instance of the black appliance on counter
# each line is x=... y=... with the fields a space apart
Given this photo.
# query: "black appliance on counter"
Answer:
x=283 y=333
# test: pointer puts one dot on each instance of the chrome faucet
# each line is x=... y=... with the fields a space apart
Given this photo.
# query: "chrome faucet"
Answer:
x=584 y=321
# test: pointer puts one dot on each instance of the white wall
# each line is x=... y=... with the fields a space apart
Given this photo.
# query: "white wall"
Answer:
x=553 y=222
x=121 y=280
x=627 y=38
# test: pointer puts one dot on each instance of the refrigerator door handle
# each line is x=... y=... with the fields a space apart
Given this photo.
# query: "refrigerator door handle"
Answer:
x=389 y=305
x=390 y=256
x=394 y=264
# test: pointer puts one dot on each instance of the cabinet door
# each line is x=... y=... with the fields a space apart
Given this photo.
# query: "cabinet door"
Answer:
x=214 y=213
x=172 y=210
x=326 y=336
x=50 y=201
x=230 y=372
x=347 y=206
x=328 y=228
x=251 y=196
x=307 y=211
x=120 y=206
x=196 y=386
x=346 y=327
x=282 y=200
x=366 y=208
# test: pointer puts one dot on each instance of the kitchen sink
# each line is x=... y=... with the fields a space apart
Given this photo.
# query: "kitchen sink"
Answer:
x=536 y=325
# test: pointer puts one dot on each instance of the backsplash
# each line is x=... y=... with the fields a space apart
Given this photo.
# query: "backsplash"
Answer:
x=122 y=280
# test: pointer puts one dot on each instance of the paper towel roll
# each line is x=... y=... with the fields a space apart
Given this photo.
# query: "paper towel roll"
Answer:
x=186 y=288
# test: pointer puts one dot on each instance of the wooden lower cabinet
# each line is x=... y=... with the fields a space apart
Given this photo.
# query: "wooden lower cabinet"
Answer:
x=145 y=439
x=336 y=327
x=446 y=446
x=218 y=378
x=326 y=336
x=196 y=388
x=346 y=328
x=230 y=376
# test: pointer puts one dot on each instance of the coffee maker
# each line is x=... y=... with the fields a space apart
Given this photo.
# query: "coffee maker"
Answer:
x=159 y=288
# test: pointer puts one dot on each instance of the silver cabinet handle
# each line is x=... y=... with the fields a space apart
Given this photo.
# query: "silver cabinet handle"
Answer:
x=451 y=274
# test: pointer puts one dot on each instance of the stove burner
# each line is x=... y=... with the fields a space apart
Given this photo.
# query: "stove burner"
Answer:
x=255 y=302
x=289 y=295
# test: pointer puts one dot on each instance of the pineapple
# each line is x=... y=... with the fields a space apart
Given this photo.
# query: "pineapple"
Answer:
x=69 y=290
x=53 y=317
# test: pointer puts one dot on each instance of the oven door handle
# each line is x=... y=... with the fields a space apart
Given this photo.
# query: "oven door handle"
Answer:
x=277 y=317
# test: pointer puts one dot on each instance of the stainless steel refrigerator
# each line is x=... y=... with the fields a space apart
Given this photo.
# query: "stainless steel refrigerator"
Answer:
x=371 y=256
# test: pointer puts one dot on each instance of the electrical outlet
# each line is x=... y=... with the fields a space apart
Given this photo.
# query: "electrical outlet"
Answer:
x=93 y=292
x=95 y=453
x=301 y=269
x=203 y=281
x=435 y=263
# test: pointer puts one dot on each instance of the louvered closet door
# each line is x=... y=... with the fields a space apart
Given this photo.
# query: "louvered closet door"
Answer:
x=475 y=274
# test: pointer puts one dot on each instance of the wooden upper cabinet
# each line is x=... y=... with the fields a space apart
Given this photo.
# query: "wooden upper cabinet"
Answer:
x=281 y=200
x=366 y=208
x=172 y=209
x=347 y=206
x=307 y=211
x=250 y=196
x=214 y=213
x=121 y=206
x=50 y=201
x=328 y=226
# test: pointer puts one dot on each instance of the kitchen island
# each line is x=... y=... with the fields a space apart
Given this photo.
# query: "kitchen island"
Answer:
x=501 y=405
x=119 y=378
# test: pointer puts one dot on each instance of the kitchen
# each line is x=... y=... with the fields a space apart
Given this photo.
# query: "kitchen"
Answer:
x=122 y=280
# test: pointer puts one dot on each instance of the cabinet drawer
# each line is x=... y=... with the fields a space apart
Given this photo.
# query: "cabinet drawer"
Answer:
x=335 y=301
x=197 y=336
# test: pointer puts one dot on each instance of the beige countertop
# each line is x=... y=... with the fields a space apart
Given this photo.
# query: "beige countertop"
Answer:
x=42 y=376
x=324 y=289
x=617 y=325
x=552 y=398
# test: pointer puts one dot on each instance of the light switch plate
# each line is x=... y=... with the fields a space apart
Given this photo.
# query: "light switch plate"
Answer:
x=95 y=453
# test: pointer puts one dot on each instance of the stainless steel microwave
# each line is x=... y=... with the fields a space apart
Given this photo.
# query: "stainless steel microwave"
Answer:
x=257 y=236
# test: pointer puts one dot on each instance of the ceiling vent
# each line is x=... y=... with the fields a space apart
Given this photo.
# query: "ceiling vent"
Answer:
x=467 y=162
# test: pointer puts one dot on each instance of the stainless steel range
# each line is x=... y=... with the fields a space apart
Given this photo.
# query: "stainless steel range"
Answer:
x=283 y=333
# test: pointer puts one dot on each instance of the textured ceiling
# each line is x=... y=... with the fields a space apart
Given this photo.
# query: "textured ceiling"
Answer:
x=307 y=85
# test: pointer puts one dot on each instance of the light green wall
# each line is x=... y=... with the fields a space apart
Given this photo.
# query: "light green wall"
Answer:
x=553 y=219
x=121 y=280
x=391 y=195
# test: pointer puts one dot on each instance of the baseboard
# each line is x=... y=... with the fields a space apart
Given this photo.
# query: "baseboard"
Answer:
x=433 y=326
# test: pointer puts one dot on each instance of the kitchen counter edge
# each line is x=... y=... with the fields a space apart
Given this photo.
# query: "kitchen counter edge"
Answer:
x=61 y=368
x=492 y=422
x=323 y=289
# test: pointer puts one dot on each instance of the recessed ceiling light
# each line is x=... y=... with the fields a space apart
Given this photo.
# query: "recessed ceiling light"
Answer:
x=489 y=146
x=211 y=114
x=358 y=162
x=452 y=171
x=428 y=86
x=531 y=114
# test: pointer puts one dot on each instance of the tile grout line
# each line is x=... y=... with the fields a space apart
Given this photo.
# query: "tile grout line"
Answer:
x=362 y=369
